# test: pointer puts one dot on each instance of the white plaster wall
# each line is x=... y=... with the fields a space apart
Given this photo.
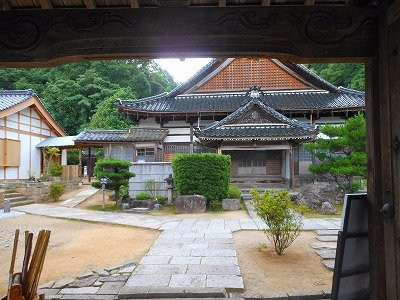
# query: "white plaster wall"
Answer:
x=24 y=167
x=35 y=156
x=177 y=139
x=149 y=123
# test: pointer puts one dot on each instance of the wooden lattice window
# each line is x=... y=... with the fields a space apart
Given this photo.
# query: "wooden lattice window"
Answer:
x=145 y=154
x=10 y=153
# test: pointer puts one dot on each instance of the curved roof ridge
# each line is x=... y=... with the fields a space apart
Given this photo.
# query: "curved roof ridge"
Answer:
x=352 y=91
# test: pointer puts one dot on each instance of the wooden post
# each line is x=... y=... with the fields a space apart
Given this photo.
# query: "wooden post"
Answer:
x=89 y=164
x=191 y=137
x=291 y=164
x=80 y=164
x=383 y=131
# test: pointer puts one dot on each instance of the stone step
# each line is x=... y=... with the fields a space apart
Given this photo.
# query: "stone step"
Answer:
x=329 y=264
x=16 y=199
x=326 y=232
x=12 y=194
x=324 y=245
x=327 y=238
x=20 y=203
x=326 y=254
x=142 y=292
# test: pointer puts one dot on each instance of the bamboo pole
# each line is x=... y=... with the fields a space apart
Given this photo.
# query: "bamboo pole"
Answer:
x=13 y=256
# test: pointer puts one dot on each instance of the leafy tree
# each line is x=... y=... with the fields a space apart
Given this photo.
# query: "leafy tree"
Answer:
x=49 y=154
x=347 y=75
x=74 y=92
x=275 y=208
x=343 y=154
x=116 y=171
x=56 y=189
x=107 y=115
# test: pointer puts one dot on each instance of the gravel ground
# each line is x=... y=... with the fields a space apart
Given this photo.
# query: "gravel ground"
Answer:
x=75 y=247
x=263 y=271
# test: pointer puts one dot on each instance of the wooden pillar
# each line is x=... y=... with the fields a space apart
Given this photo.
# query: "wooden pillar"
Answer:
x=89 y=164
x=80 y=163
x=383 y=133
x=191 y=137
x=291 y=165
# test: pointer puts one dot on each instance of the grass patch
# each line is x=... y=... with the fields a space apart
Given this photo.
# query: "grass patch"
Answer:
x=99 y=207
x=312 y=214
x=167 y=210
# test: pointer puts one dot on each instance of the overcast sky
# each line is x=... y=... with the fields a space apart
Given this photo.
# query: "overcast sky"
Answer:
x=182 y=70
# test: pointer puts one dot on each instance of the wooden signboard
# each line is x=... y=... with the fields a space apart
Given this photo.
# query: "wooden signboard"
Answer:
x=351 y=278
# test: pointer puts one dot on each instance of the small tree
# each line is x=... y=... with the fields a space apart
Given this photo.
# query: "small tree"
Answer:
x=117 y=172
x=284 y=225
x=49 y=154
x=343 y=154
x=56 y=189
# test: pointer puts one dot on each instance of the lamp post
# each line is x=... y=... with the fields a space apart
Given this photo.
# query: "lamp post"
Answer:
x=103 y=182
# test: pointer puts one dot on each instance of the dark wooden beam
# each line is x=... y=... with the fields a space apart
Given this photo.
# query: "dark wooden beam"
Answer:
x=4 y=5
x=134 y=3
x=90 y=4
x=393 y=12
x=59 y=36
x=46 y=4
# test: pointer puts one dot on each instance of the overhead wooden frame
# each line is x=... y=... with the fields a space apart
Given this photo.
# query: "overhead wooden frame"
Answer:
x=44 y=38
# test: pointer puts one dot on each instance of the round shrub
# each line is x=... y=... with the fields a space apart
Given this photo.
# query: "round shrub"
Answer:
x=161 y=199
x=56 y=170
x=143 y=196
x=234 y=192
x=206 y=174
x=56 y=189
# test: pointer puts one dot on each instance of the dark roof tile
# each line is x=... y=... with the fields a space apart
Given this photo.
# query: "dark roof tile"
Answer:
x=10 y=98
x=131 y=135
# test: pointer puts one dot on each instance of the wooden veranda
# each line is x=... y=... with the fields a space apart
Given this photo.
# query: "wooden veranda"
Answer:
x=50 y=32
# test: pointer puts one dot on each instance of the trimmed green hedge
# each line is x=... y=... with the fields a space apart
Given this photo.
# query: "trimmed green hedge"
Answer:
x=206 y=174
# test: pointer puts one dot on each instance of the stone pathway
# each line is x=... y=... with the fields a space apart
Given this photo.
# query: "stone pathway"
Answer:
x=79 y=197
x=189 y=257
x=97 y=284
x=325 y=246
x=13 y=213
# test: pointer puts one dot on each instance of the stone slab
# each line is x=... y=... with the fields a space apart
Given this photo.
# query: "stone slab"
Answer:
x=80 y=291
x=184 y=280
x=324 y=245
x=63 y=283
x=155 y=259
x=111 y=288
x=326 y=254
x=114 y=278
x=185 y=260
x=329 y=264
x=327 y=231
x=327 y=238
x=221 y=261
x=148 y=280
x=229 y=282
x=160 y=269
x=213 y=270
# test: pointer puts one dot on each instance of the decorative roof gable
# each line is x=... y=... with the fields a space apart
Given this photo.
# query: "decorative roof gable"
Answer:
x=255 y=120
x=242 y=73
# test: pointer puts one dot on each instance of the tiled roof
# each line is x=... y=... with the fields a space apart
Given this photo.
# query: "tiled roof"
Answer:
x=131 y=135
x=10 y=98
x=325 y=96
x=229 y=102
x=286 y=128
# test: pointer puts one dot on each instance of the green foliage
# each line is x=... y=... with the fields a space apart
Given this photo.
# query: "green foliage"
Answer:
x=117 y=172
x=161 y=199
x=107 y=115
x=56 y=170
x=215 y=206
x=73 y=92
x=275 y=208
x=72 y=157
x=150 y=187
x=206 y=174
x=123 y=191
x=49 y=154
x=143 y=196
x=56 y=189
x=343 y=155
x=233 y=191
x=347 y=75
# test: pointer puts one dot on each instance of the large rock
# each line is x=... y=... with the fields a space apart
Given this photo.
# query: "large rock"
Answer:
x=315 y=194
x=231 y=204
x=327 y=208
x=191 y=204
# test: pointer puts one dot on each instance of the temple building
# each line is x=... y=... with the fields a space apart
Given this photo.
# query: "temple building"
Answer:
x=257 y=110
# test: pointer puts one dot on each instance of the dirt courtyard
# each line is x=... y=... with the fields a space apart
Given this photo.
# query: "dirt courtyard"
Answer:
x=75 y=247
x=298 y=269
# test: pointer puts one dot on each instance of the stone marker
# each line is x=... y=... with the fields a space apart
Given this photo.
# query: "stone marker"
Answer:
x=7 y=206
x=231 y=204
x=190 y=204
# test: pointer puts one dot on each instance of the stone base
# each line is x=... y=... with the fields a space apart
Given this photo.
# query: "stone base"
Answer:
x=191 y=204
x=231 y=204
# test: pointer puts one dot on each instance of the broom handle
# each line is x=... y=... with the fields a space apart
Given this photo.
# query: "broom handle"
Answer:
x=14 y=255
